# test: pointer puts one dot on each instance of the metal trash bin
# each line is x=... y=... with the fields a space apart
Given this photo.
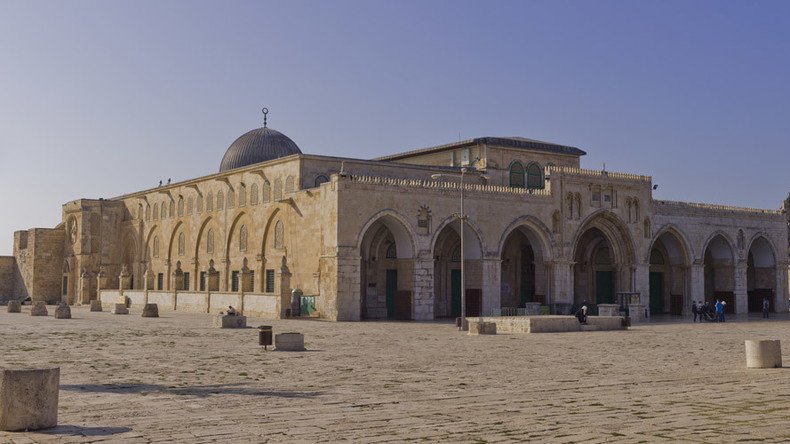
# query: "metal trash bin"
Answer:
x=265 y=336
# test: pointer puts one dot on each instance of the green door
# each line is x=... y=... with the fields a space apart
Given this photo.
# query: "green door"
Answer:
x=455 y=293
x=392 y=287
x=656 y=293
x=604 y=287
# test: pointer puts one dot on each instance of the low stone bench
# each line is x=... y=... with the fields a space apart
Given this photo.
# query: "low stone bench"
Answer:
x=608 y=310
x=39 y=309
x=120 y=309
x=230 y=321
x=763 y=354
x=150 y=311
x=29 y=399
x=482 y=328
x=550 y=323
x=63 y=311
x=289 y=342
x=14 y=306
x=96 y=305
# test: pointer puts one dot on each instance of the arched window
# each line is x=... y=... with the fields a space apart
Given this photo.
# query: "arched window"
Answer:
x=190 y=205
x=243 y=238
x=210 y=241
x=181 y=244
x=392 y=252
x=278 y=189
x=231 y=199
x=180 y=206
x=516 y=175
x=254 y=194
x=156 y=211
x=156 y=246
x=656 y=258
x=242 y=195
x=172 y=212
x=199 y=204
x=220 y=201
x=321 y=179
x=534 y=176
x=148 y=212
x=289 y=184
x=278 y=234
x=267 y=192
x=210 y=201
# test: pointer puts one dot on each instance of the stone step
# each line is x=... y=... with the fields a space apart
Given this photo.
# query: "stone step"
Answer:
x=590 y=328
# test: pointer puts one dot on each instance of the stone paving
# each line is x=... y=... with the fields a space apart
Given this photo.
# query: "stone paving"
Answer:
x=176 y=379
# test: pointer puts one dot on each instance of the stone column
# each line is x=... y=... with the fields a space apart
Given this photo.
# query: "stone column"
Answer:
x=226 y=278
x=260 y=270
x=283 y=286
x=146 y=284
x=492 y=284
x=561 y=276
x=85 y=288
x=741 y=297
x=423 y=287
x=167 y=274
x=101 y=282
x=697 y=281
x=780 y=302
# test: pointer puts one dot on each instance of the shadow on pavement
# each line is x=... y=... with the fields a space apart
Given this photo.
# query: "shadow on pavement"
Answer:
x=73 y=430
x=199 y=391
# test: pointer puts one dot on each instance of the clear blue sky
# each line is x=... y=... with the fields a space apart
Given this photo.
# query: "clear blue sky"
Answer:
x=101 y=98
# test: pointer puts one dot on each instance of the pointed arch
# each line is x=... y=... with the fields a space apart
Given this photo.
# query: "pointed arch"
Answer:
x=233 y=227
x=471 y=233
x=542 y=234
x=173 y=239
x=614 y=229
x=687 y=254
x=405 y=238
x=729 y=242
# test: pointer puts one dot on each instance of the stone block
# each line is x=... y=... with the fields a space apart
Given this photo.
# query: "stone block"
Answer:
x=289 y=342
x=608 y=310
x=39 y=309
x=63 y=311
x=532 y=308
x=637 y=313
x=482 y=328
x=120 y=309
x=230 y=321
x=151 y=311
x=29 y=399
x=96 y=305
x=763 y=354
x=14 y=306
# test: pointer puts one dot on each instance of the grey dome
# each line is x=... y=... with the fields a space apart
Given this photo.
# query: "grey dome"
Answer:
x=258 y=145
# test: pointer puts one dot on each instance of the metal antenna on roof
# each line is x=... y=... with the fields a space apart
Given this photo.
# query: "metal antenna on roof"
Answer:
x=264 y=111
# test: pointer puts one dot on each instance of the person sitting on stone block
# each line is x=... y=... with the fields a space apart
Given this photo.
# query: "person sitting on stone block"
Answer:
x=232 y=311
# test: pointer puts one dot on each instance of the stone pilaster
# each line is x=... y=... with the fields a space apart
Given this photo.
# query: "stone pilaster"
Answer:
x=283 y=286
x=422 y=308
x=561 y=277
x=781 y=302
x=492 y=287
x=640 y=283
x=741 y=297
x=697 y=281
x=84 y=288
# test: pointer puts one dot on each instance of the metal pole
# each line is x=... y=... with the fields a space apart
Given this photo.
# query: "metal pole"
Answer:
x=463 y=282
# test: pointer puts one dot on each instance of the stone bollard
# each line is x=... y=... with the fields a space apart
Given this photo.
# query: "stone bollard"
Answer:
x=14 y=306
x=230 y=321
x=29 y=399
x=95 y=305
x=39 y=309
x=63 y=311
x=120 y=309
x=150 y=311
x=763 y=354
x=482 y=328
x=289 y=342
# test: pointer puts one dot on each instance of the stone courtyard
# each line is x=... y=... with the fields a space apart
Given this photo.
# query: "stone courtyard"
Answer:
x=177 y=379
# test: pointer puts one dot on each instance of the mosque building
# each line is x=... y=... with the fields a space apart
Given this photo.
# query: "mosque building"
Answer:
x=381 y=238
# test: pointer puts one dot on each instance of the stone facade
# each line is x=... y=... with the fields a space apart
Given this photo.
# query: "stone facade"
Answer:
x=374 y=239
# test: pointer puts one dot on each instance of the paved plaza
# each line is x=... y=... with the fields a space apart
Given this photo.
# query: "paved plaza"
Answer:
x=177 y=379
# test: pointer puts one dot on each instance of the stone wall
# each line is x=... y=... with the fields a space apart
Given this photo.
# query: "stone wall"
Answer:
x=8 y=273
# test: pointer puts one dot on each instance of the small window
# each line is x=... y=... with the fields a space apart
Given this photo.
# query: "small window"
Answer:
x=234 y=281
x=210 y=241
x=181 y=244
x=202 y=281
x=534 y=176
x=278 y=189
x=210 y=201
x=252 y=280
x=186 y=280
x=289 y=184
x=392 y=252
x=269 y=281
x=220 y=201
x=180 y=206
x=254 y=194
x=156 y=211
x=199 y=204
x=231 y=199
x=148 y=212
x=160 y=281
x=266 y=196
x=156 y=246
x=516 y=175
x=243 y=238
x=278 y=234
x=242 y=195
x=190 y=205
x=656 y=258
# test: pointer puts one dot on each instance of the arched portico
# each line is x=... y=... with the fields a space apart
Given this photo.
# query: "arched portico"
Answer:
x=387 y=269
x=603 y=255
x=719 y=263
x=524 y=271
x=761 y=274
x=669 y=273
x=447 y=270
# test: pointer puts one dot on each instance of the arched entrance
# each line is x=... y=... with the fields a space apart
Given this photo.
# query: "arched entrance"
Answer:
x=447 y=271
x=761 y=275
x=719 y=262
x=603 y=259
x=387 y=270
x=668 y=275
x=524 y=276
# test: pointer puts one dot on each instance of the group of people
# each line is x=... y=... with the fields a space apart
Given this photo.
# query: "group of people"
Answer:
x=709 y=312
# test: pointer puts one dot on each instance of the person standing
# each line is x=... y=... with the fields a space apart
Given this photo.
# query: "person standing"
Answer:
x=695 y=310
x=766 y=306
x=719 y=307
